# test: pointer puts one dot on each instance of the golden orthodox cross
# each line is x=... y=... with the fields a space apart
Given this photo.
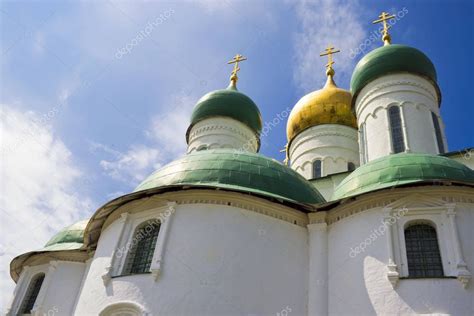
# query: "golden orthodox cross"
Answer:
x=285 y=150
x=383 y=18
x=237 y=58
x=329 y=51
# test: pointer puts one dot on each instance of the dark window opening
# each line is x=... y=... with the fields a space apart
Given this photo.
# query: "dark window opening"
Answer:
x=424 y=259
x=395 y=121
x=439 y=137
x=31 y=294
x=142 y=248
x=317 y=169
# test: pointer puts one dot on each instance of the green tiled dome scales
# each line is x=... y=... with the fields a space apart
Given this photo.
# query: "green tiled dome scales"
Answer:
x=400 y=169
x=235 y=171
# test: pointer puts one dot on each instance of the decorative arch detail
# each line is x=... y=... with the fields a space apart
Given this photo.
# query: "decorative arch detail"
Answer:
x=123 y=309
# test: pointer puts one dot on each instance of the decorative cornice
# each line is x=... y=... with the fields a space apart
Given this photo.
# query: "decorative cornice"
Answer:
x=304 y=136
x=242 y=131
x=382 y=199
x=374 y=91
x=234 y=199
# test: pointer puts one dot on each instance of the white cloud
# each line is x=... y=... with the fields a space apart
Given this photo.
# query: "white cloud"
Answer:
x=168 y=128
x=131 y=166
x=38 y=189
x=326 y=22
x=166 y=134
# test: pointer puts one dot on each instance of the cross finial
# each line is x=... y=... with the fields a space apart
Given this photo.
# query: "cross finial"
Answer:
x=383 y=18
x=235 y=60
x=285 y=150
x=329 y=51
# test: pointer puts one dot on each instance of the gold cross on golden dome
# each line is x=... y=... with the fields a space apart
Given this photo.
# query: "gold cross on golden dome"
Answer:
x=233 y=77
x=383 y=18
x=329 y=51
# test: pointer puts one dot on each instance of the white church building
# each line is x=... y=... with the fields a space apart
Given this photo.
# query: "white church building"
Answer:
x=369 y=215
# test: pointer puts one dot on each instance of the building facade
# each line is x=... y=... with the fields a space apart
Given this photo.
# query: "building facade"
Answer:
x=370 y=215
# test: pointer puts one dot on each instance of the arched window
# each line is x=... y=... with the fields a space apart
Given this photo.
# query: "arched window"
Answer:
x=317 y=169
x=423 y=256
x=395 y=121
x=363 y=144
x=122 y=309
x=142 y=248
x=350 y=166
x=439 y=137
x=31 y=294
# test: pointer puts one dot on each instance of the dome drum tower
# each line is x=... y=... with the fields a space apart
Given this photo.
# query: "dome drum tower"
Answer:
x=396 y=100
x=225 y=118
x=321 y=130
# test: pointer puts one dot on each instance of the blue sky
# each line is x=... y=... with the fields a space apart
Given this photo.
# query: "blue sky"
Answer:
x=85 y=120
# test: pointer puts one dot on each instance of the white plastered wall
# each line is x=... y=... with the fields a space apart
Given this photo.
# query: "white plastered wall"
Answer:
x=358 y=279
x=219 y=259
x=59 y=289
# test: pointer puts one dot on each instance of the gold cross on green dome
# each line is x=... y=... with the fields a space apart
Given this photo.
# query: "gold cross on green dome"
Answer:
x=383 y=18
x=233 y=77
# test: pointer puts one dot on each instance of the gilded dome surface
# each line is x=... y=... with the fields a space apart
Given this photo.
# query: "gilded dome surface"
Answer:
x=330 y=105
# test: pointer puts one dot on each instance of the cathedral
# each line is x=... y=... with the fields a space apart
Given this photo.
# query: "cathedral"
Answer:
x=369 y=214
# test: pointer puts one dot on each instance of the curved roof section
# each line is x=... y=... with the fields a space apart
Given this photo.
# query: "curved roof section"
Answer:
x=68 y=239
x=389 y=59
x=71 y=237
x=400 y=169
x=235 y=171
x=227 y=103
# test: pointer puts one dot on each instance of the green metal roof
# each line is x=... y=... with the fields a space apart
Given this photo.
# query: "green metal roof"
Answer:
x=400 y=169
x=391 y=59
x=228 y=103
x=71 y=237
x=237 y=171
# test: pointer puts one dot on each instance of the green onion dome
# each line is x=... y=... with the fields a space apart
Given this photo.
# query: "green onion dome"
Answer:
x=391 y=59
x=71 y=237
x=68 y=239
x=234 y=170
x=227 y=103
x=401 y=169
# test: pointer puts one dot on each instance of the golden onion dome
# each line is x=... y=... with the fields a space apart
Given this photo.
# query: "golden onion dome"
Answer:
x=330 y=105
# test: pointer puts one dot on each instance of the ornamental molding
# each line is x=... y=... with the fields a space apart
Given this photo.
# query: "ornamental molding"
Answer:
x=302 y=139
x=216 y=197
x=402 y=105
x=375 y=90
x=352 y=206
x=211 y=126
x=310 y=133
x=295 y=165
